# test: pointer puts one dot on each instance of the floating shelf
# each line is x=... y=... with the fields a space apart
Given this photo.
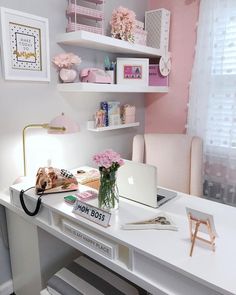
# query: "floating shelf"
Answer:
x=90 y=125
x=96 y=1
x=95 y=87
x=105 y=43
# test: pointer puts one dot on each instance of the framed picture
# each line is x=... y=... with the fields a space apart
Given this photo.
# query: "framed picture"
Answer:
x=133 y=71
x=25 y=46
x=203 y=216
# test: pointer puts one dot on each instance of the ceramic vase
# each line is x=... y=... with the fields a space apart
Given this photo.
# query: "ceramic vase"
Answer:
x=112 y=75
x=68 y=75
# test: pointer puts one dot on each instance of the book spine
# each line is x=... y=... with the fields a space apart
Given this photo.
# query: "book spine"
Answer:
x=104 y=107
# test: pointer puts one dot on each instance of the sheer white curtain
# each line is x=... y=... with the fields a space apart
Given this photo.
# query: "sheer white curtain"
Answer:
x=212 y=103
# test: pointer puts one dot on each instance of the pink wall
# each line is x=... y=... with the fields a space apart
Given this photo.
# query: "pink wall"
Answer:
x=167 y=113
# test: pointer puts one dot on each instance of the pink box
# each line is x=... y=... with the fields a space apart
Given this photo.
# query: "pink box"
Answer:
x=140 y=36
x=129 y=119
x=155 y=77
x=128 y=114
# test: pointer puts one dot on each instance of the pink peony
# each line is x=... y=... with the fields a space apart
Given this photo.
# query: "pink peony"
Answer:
x=66 y=60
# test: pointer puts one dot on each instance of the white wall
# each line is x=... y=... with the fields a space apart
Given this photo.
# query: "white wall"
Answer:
x=22 y=103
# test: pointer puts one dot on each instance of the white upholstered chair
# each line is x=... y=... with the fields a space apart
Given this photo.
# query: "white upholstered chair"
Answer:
x=178 y=158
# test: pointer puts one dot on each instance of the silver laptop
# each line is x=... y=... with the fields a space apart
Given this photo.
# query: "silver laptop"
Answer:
x=138 y=182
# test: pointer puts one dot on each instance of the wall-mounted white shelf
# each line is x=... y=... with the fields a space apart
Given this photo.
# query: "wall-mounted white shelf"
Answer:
x=90 y=126
x=105 y=43
x=95 y=87
x=96 y=1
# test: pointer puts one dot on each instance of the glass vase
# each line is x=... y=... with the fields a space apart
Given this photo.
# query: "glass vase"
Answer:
x=108 y=195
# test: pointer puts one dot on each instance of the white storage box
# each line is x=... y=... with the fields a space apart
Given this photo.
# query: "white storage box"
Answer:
x=157 y=24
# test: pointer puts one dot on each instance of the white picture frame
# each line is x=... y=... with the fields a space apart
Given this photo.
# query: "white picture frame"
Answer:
x=132 y=71
x=203 y=216
x=25 y=46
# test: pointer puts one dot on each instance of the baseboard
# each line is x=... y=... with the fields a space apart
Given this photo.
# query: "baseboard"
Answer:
x=6 y=288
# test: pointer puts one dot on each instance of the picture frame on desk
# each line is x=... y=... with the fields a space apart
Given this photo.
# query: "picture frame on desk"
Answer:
x=132 y=71
x=25 y=46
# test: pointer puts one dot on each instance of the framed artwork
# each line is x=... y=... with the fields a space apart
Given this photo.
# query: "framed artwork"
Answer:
x=133 y=71
x=25 y=46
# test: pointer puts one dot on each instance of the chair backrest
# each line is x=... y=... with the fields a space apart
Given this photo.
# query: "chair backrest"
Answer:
x=178 y=158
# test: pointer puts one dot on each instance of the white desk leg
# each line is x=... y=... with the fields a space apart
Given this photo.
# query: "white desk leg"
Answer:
x=24 y=252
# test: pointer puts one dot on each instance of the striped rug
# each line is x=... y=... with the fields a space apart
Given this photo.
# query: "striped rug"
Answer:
x=84 y=276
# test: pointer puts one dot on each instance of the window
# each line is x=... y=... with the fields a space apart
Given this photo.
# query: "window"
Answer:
x=221 y=119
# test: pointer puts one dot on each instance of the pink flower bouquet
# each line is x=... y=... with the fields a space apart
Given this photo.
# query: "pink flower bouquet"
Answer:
x=108 y=159
x=66 y=60
x=123 y=24
x=108 y=163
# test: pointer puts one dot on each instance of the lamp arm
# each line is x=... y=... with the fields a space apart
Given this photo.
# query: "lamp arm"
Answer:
x=45 y=126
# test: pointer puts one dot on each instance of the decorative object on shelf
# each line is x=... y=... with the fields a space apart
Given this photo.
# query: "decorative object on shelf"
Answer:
x=111 y=73
x=157 y=24
x=201 y=222
x=113 y=113
x=68 y=75
x=108 y=162
x=25 y=46
x=65 y=62
x=123 y=24
x=95 y=75
x=140 y=35
x=128 y=114
x=110 y=68
x=81 y=17
x=165 y=65
x=100 y=119
x=104 y=107
x=108 y=115
x=132 y=71
x=155 y=77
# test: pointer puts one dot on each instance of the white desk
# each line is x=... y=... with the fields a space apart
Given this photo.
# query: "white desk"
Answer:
x=156 y=260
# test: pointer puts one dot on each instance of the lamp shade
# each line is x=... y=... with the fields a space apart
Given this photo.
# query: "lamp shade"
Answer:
x=63 y=121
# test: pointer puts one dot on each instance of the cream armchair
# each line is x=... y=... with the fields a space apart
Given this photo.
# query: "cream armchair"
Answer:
x=178 y=158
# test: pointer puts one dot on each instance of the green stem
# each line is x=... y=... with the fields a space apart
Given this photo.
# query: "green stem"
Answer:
x=108 y=193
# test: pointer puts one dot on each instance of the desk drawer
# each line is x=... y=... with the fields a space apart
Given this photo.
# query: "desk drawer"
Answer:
x=167 y=279
x=91 y=240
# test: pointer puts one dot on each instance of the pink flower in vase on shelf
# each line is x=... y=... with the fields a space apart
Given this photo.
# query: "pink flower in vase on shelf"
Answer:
x=65 y=62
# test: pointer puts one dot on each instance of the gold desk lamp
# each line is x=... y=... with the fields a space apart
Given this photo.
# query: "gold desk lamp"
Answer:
x=60 y=125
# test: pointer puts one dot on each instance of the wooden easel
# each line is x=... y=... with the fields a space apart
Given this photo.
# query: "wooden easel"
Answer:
x=194 y=231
